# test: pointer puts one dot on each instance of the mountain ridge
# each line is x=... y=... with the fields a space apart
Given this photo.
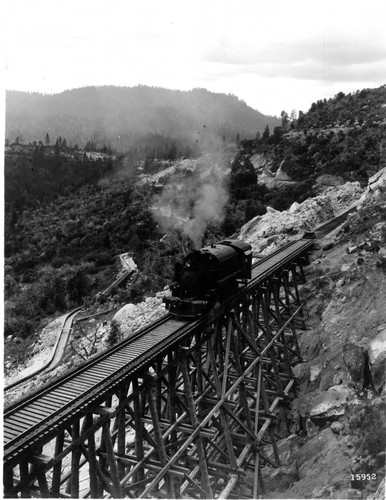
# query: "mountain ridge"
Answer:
x=123 y=117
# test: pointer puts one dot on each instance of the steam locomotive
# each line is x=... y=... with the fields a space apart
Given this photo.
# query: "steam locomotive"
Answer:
x=208 y=275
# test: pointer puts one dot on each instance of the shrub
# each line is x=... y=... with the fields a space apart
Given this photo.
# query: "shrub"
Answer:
x=18 y=326
x=114 y=335
x=369 y=431
x=104 y=258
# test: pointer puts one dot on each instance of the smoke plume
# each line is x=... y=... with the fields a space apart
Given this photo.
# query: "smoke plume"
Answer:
x=190 y=202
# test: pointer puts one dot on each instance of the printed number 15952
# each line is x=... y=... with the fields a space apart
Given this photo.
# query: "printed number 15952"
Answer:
x=363 y=477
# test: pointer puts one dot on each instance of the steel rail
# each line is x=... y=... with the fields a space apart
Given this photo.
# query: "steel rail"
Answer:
x=329 y=226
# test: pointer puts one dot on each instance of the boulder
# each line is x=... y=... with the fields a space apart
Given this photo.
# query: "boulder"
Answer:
x=382 y=257
x=352 y=249
x=300 y=370
x=124 y=317
x=376 y=184
x=377 y=360
x=294 y=207
x=340 y=282
x=331 y=403
x=337 y=427
x=315 y=371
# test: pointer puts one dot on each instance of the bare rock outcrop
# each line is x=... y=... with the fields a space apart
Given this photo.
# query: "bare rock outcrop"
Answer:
x=376 y=186
x=132 y=317
x=377 y=360
x=275 y=228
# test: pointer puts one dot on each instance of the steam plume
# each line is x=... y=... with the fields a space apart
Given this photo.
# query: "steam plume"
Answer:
x=191 y=202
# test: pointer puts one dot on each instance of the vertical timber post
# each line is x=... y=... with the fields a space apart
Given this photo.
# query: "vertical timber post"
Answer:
x=158 y=438
x=95 y=489
x=75 y=459
x=199 y=444
x=57 y=470
x=121 y=431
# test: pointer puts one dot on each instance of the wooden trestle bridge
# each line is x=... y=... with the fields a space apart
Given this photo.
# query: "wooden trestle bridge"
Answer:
x=183 y=409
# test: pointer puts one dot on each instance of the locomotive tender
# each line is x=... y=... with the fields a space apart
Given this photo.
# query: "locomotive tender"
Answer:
x=208 y=275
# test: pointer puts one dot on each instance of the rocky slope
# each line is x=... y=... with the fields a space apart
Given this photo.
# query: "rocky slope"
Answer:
x=337 y=449
x=273 y=229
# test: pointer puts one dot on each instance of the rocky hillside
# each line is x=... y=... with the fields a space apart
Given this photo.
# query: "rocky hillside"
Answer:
x=337 y=140
x=337 y=449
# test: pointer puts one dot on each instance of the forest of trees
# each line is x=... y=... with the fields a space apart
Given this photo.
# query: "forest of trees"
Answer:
x=39 y=172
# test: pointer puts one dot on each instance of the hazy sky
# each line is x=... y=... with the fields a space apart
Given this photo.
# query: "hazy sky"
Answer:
x=274 y=54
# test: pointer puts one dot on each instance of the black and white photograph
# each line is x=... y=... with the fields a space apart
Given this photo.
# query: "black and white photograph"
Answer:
x=194 y=249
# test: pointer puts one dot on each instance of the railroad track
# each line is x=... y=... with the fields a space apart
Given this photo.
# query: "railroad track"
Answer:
x=40 y=414
x=57 y=354
x=332 y=224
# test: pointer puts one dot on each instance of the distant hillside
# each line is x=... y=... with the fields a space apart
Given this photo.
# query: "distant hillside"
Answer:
x=343 y=137
x=125 y=118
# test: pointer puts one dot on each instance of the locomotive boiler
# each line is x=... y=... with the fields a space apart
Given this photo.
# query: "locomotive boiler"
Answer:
x=208 y=275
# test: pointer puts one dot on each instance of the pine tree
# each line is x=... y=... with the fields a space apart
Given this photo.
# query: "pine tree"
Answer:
x=266 y=134
x=284 y=119
x=172 y=154
x=114 y=334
